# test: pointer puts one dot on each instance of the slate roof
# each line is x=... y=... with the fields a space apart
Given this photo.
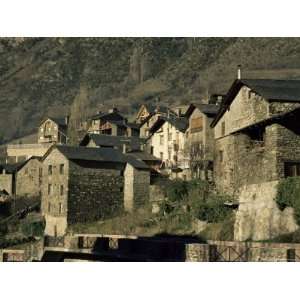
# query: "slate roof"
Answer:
x=208 y=109
x=113 y=141
x=12 y=168
x=269 y=89
x=108 y=116
x=144 y=156
x=98 y=154
x=180 y=124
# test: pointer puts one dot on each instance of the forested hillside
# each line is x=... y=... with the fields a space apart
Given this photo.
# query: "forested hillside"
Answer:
x=43 y=76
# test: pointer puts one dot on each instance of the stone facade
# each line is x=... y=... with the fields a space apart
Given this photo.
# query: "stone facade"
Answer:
x=28 y=179
x=256 y=140
x=258 y=217
x=6 y=182
x=85 y=190
x=136 y=188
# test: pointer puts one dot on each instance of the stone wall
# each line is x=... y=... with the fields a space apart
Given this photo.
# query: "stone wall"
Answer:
x=54 y=206
x=258 y=217
x=136 y=187
x=95 y=192
x=6 y=183
x=29 y=179
x=248 y=108
x=240 y=161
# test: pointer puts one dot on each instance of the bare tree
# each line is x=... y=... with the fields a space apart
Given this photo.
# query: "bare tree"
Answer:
x=78 y=113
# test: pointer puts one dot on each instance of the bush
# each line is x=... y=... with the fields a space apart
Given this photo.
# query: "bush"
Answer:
x=213 y=209
x=198 y=199
x=33 y=229
x=288 y=195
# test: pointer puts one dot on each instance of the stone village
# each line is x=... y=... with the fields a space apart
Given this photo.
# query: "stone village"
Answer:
x=243 y=142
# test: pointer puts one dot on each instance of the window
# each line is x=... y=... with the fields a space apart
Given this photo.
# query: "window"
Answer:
x=291 y=169
x=60 y=208
x=161 y=140
x=49 y=207
x=26 y=171
x=49 y=189
x=61 y=168
x=50 y=170
x=221 y=154
x=161 y=155
x=61 y=190
x=169 y=136
x=151 y=150
x=223 y=128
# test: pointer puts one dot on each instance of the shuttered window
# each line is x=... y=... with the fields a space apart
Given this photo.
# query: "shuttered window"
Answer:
x=196 y=124
x=292 y=169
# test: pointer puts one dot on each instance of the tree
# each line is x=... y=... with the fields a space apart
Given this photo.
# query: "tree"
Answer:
x=78 y=113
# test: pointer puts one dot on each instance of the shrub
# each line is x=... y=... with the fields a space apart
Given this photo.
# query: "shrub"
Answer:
x=288 y=194
x=213 y=209
x=198 y=199
x=33 y=229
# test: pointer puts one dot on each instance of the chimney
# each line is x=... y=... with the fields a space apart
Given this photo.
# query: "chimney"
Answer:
x=239 y=74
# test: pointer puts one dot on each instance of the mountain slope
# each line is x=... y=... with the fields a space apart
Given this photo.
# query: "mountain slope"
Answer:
x=40 y=76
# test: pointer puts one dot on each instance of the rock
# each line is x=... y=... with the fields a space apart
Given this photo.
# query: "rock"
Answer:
x=258 y=217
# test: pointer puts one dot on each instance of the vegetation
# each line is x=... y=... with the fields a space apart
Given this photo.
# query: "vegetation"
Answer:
x=187 y=203
x=288 y=195
x=45 y=75
x=199 y=199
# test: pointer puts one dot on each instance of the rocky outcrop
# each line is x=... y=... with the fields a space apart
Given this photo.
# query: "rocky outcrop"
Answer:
x=258 y=217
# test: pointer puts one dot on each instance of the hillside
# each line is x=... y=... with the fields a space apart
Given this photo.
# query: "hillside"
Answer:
x=43 y=76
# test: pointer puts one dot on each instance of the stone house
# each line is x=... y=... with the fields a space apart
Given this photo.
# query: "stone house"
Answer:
x=22 y=179
x=107 y=123
x=256 y=132
x=167 y=142
x=82 y=184
x=199 y=146
x=257 y=143
x=111 y=123
x=53 y=130
x=148 y=115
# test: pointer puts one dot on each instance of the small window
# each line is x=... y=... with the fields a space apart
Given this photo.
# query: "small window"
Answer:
x=151 y=150
x=61 y=168
x=221 y=154
x=161 y=140
x=49 y=189
x=26 y=171
x=170 y=136
x=60 y=208
x=50 y=170
x=61 y=190
x=292 y=169
x=49 y=207
x=121 y=189
x=161 y=155
x=223 y=128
